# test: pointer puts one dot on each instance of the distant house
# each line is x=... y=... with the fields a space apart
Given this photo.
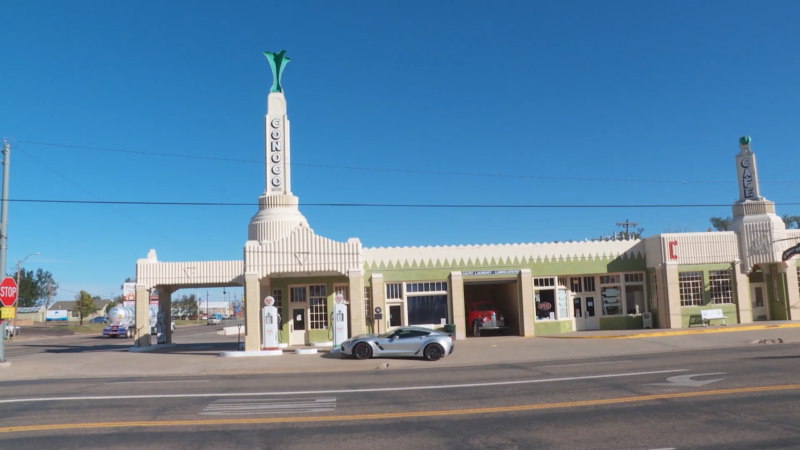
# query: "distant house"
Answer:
x=72 y=315
x=29 y=315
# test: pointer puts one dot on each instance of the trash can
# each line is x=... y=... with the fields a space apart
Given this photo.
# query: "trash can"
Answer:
x=450 y=328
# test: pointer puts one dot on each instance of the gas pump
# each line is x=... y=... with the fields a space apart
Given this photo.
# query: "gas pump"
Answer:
x=269 y=324
x=161 y=326
x=340 y=332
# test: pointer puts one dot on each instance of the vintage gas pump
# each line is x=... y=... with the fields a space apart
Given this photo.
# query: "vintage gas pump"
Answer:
x=161 y=328
x=340 y=332
x=269 y=324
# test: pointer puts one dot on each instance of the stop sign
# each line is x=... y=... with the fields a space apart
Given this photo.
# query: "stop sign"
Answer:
x=8 y=292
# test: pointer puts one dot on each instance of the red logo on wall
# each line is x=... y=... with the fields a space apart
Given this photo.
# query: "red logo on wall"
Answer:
x=672 y=253
x=544 y=305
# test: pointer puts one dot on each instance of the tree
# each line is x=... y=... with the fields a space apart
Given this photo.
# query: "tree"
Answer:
x=637 y=234
x=84 y=305
x=721 y=224
x=791 y=221
x=677 y=229
x=185 y=306
x=33 y=286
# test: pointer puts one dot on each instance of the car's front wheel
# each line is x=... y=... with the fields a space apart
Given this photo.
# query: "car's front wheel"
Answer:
x=476 y=329
x=433 y=352
x=362 y=351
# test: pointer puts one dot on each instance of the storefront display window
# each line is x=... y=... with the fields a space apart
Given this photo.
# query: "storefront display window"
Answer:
x=611 y=301
x=545 y=305
x=427 y=309
x=562 y=304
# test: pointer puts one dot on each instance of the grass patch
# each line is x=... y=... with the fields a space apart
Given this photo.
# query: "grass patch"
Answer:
x=187 y=322
x=87 y=328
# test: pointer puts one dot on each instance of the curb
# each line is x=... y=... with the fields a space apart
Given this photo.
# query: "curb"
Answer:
x=680 y=333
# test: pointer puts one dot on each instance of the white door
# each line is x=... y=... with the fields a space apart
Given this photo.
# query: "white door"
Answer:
x=298 y=320
x=592 y=322
x=577 y=312
x=758 y=295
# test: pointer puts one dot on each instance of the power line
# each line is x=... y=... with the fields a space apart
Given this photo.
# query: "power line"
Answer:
x=381 y=205
x=380 y=169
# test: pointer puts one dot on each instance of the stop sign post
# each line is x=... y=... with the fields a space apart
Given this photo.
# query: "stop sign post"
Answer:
x=8 y=292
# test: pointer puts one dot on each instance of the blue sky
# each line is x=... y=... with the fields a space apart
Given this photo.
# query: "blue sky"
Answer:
x=580 y=89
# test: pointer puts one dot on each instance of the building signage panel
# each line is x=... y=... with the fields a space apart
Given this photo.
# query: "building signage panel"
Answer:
x=792 y=251
x=129 y=291
x=477 y=273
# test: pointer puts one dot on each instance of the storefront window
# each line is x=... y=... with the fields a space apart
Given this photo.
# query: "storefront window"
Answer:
x=611 y=301
x=545 y=305
x=562 y=304
x=653 y=292
x=634 y=299
x=427 y=309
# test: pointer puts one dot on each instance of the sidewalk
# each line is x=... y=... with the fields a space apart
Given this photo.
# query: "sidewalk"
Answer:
x=658 y=332
x=201 y=359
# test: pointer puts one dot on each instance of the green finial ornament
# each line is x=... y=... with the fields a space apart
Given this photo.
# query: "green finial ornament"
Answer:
x=277 y=61
x=744 y=140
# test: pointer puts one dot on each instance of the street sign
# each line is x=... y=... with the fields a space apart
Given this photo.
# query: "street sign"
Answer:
x=378 y=310
x=8 y=312
x=8 y=292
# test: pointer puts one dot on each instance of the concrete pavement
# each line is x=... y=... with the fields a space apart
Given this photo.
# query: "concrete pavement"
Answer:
x=197 y=355
x=598 y=403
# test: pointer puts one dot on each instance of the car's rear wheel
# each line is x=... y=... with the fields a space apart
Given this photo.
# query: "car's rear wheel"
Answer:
x=433 y=352
x=362 y=351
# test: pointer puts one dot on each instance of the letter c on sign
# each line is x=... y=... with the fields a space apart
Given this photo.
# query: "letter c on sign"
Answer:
x=672 y=254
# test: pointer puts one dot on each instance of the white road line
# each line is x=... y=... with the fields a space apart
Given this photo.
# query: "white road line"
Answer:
x=335 y=391
x=153 y=382
x=273 y=406
x=588 y=364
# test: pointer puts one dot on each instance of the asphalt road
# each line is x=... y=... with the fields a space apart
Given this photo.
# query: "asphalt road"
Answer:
x=615 y=403
x=189 y=334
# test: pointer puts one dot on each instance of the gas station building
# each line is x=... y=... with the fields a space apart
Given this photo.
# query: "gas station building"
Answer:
x=663 y=281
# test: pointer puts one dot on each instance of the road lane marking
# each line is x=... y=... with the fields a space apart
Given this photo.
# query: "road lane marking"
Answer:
x=399 y=415
x=271 y=406
x=588 y=364
x=337 y=391
x=161 y=381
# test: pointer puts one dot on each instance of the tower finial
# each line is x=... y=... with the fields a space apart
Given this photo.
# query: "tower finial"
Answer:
x=277 y=61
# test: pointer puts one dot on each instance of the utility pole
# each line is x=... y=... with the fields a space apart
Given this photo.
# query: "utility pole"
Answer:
x=4 y=235
x=627 y=224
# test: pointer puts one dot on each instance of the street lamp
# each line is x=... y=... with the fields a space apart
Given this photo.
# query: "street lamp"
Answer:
x=14 y=322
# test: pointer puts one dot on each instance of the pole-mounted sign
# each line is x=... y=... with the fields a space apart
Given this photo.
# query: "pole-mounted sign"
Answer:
x=8 y=292
x=791 y=251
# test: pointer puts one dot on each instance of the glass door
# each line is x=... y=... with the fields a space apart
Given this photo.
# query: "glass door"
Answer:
x=578 y=313
x=591 y=320
x=298 y=306
x=758 y=297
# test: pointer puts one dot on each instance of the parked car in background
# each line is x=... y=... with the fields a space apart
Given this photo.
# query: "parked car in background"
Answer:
x=484 y=316
x=99 y=320
x=404 y=341
x=8 y=328
x=214 y=319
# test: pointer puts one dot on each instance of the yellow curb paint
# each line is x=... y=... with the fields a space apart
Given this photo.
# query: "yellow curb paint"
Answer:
x=680 y=333
x=403 y=415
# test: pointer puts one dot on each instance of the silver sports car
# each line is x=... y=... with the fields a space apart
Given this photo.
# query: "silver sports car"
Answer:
x=405 y=341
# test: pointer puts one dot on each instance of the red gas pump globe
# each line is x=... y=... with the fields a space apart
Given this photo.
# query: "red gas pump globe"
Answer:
x=8 y=292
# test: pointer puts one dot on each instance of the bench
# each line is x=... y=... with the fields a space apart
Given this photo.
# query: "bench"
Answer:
x=710 y=314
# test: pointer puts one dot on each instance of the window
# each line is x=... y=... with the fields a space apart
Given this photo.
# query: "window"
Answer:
x=634 y=278
x=368 y=303
x=691 y=288
x=408 y=334
x=720 y=283
x=297 y=294
x=276 y=294
x=634 y=298
x=653 y=292
x=394 y=290
x=425 y=287
x=562 y=304
x=318 y=307
x=562 y=281
x=609 y=279
x=427 y=309
x=575 y=284
x=611 y=301
x=545 y=304
x=588 y=284
x=544 y=281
